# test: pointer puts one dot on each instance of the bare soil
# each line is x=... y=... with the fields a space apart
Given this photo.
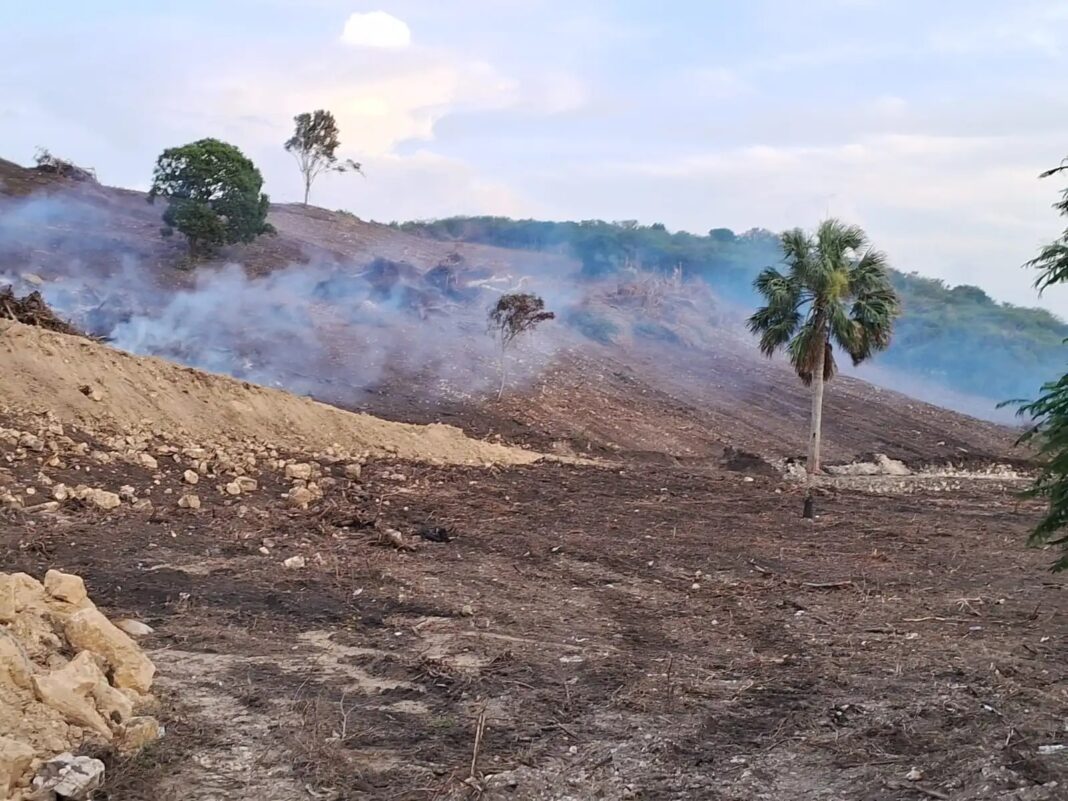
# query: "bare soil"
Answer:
x=638 y=631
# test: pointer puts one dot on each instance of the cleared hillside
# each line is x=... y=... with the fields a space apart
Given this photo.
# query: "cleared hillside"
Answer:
x=370 y=317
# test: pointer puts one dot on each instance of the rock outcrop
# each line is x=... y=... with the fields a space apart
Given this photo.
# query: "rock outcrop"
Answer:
x=69 y=678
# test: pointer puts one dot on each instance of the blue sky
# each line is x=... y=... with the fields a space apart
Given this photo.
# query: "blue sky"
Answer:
x=926 y=123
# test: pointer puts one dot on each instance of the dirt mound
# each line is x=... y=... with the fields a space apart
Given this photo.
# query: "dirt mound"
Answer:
x=84 y=382
x=51 y=704
x=32 y=310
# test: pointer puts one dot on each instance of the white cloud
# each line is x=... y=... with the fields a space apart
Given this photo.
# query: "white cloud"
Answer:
x=376 y=29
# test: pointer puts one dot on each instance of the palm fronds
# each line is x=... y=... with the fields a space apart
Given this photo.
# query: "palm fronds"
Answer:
x=834 y=289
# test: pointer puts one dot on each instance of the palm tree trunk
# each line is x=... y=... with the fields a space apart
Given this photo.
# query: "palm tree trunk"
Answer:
x=817 y=411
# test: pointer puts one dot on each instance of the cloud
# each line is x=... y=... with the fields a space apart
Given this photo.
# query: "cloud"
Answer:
x=376 y=29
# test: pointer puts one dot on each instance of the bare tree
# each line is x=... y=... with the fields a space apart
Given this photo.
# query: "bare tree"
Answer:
x=512 y=315
x=314 y=145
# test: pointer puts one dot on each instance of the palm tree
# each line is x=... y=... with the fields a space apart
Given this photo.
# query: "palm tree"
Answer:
x=836 y=289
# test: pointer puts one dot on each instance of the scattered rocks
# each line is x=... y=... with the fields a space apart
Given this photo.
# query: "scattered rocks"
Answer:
x=295 y=562
x=191 y=477
x=189 y=502
x=233 y=488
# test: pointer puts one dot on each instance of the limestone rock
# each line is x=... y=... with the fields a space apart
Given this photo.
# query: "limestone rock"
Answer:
x=89 y=630
x=189 y=502
x=69 y=778
x=135 y=628
x=15 y=666
x=301 y=471
x=247 y=484
x=190 y=477
x=353 y=471
x=139 y=732
x=72 y=691
x=301 y=497
x=295 y=562
x=233 y=488
x=66 y=587
x=147 y=461
x=15 y=760
x=103 y=499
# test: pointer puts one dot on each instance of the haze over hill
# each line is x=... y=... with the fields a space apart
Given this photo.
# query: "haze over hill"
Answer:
x=392 y=320
x=311 y=310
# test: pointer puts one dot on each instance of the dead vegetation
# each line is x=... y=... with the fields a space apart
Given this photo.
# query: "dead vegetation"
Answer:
x=32 y=310
x=46 y=162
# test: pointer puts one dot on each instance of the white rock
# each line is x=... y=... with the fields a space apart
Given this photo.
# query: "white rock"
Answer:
x=189 y=502
x=190 y=477
x=914 y=775
x=68 y=777
x=295 y=562
x=135 y=628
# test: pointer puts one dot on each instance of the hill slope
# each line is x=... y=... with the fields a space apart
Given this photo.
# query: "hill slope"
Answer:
x=373 y=318
x=87 y=384
x=958 y=336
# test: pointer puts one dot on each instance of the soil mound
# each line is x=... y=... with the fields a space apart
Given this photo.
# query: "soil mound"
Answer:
x=85 y=383
x=69 y=678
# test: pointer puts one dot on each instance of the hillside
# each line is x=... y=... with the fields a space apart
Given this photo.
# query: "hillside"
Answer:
x=347 y=608
x=376 y=319
x=955 y=337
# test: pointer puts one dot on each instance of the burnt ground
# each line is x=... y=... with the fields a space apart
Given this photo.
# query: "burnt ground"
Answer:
x=633 y=631
x=692 y=407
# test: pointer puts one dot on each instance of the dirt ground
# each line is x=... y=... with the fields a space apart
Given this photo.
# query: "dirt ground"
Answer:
x=628 y=631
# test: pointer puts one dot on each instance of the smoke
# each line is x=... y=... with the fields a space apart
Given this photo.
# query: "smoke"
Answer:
x=328 y=329
x=339 y=330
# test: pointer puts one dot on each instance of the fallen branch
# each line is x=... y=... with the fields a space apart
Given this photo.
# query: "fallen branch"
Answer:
x=480 y=729
x=919 y=788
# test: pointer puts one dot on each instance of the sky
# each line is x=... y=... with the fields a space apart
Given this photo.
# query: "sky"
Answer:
x=926 y=123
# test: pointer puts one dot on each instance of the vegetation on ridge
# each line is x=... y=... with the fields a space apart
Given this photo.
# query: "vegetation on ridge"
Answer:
x=958 y=337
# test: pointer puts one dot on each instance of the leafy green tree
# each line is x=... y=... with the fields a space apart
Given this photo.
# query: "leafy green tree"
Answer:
x=213 y=195
x=1049 y=413
x=836 y=289
x=314 y=145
